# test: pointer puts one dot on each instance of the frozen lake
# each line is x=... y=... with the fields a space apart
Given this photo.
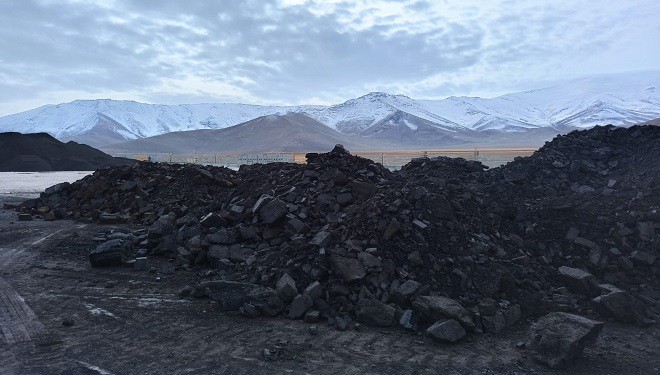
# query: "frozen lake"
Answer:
x=30 y=184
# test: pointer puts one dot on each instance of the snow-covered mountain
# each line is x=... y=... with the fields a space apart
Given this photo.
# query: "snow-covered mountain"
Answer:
x=620 y=99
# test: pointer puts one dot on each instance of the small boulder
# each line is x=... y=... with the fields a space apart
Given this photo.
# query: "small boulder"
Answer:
x=24 y=217
x=559 y=338
x=222 y=236
x=349 y=269
x=375 y=313
x=321 y=239
x=230 y=294
x=495 y=323
x=579 y=281
x=299 y=306
x=435 y=308
x=446 y=330
x=111 y=253
x=286 y=288
x=273 y=211
x=622 y=307
x=314 y=290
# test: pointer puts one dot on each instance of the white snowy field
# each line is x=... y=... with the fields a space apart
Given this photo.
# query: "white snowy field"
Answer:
x=30 y=184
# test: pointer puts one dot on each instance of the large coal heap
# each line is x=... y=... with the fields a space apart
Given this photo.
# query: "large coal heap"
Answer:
x=40 y=152
x=343 y=238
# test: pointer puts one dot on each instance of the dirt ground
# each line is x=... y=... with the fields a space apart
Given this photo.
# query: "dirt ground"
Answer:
x=132 y=322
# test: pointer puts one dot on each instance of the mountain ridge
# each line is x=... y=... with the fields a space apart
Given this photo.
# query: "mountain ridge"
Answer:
x=622 y=99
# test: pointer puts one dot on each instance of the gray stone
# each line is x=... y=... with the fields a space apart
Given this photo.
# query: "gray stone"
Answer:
x=230 y=294
x=261 y=202
x=312 y=316
x=222 y=236
x=419 y=224
x=24 y=217
x=495 y=323
x=286 y=288
x=584 y=242
x=341 y=324
x=246 y=232
x=559 y=338
x=375 y=313
x=314 y=290
x=488 y=307
x=572 y=234
x=265 y=299
x=349 y=269
x=369 y=261
x=408 y=289
x=273 y=211
x=642 y=257
x=321 y=239
x=406 y=319
x=393 y=228
x=435 y=308
x=299 y=306
x=579 y=281
x=56 y=188
x=296 y=226
x=111 y=253
x=646 y=230
x=212 y=220
x=622 y=307
x=512 y=314
x=446 y=330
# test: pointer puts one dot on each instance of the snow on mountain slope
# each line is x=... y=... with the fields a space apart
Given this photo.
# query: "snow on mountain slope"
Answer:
x=620 y=99
x=138 y=119
x=357 y=115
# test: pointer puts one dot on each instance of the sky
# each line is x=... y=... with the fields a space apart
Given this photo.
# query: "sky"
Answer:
x=309 y=51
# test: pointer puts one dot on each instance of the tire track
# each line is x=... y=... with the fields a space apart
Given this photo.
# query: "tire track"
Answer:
x=17 y=320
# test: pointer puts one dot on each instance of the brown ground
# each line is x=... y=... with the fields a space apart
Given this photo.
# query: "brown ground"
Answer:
x=130 y=322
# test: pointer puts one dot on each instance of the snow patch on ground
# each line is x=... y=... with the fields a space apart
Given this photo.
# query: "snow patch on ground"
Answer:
x=30 y=184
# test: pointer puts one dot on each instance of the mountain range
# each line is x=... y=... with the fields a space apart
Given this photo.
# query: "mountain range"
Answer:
x=373 y=121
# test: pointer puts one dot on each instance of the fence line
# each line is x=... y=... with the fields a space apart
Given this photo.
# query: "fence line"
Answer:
x=390 y=159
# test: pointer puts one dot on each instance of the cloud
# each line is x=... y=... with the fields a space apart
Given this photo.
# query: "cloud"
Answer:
x=299 y=51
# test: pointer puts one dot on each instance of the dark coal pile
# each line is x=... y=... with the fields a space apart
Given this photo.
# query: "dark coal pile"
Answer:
x=441 y=245
x=41 y=152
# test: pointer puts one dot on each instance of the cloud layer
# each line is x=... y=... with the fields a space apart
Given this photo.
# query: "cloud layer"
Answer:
x=297 y=51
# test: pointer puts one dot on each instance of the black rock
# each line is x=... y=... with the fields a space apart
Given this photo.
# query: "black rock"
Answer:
x=111 y=253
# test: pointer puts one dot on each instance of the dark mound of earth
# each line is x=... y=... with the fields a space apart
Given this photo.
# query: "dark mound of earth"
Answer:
x=41 y=152
x=572 y=228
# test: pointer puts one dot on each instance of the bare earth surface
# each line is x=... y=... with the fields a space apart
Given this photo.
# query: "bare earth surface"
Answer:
x=130 y=322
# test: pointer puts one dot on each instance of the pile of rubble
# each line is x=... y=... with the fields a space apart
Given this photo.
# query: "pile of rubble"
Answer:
x=440 y=245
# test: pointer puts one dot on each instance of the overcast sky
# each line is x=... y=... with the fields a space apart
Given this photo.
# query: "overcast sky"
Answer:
x=311 y=52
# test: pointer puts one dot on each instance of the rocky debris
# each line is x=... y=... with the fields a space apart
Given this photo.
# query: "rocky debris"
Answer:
x=439 y=239
x=446 y=330
x=299 y=306
x=559 y=338
x=579 y=281
x=111 y=253
x=375 y=313
x=436 y=308
x=25 y=217
x=622 y=307
x=286 y=288
x=273 y=211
